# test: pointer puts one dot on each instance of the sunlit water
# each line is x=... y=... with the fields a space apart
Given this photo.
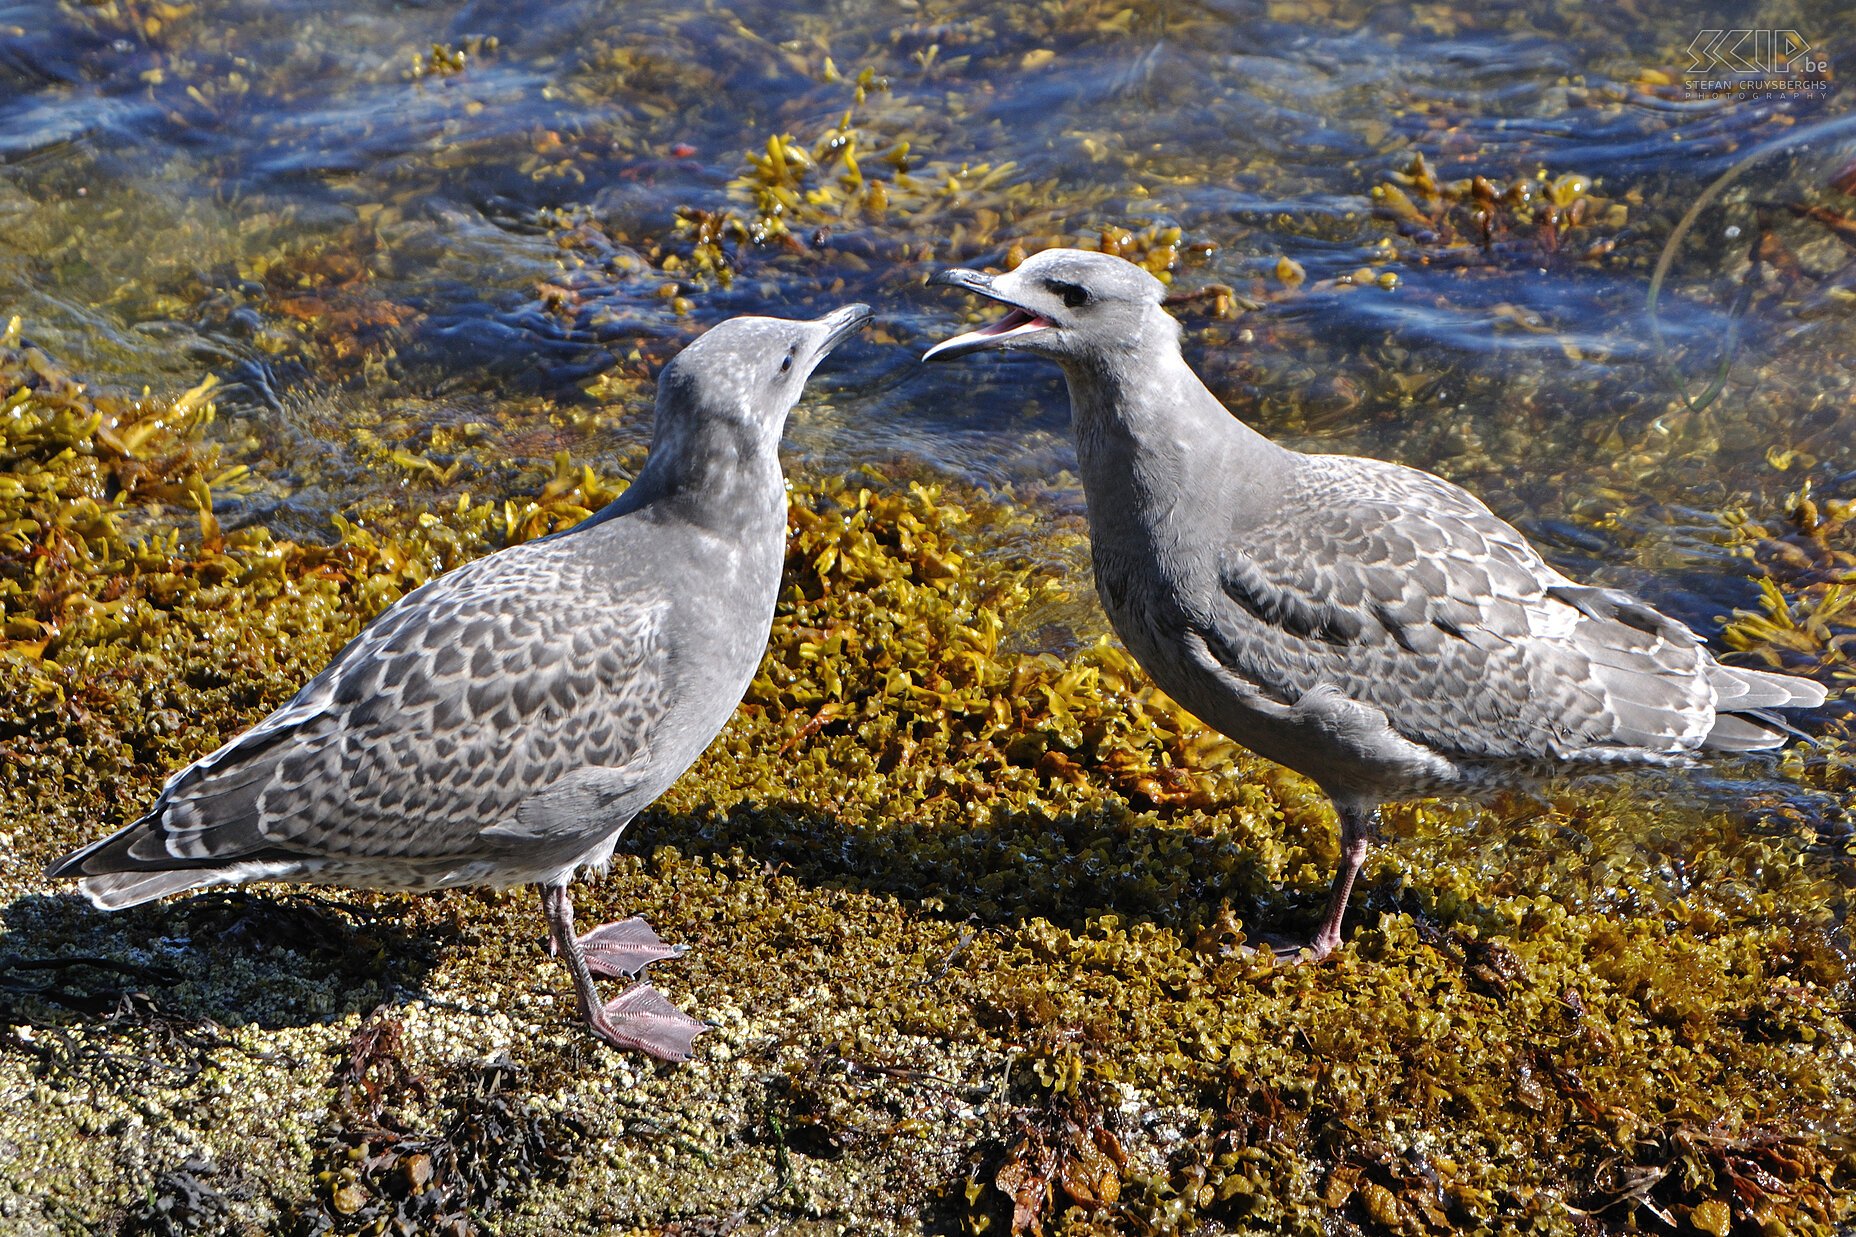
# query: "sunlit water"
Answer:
x=172 y=177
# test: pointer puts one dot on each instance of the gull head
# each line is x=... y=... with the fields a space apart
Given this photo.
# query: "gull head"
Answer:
x=1066 y=304
x=748 y=372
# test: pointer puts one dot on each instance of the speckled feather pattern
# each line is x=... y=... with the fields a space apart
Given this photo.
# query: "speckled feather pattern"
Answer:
x=437 y=722
x=1370 y=625
x=411 y=760
x=503 y=723
x=1386 y=603
x=1411 y=596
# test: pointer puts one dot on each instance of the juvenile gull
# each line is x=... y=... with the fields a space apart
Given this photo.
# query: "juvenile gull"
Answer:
x=504 y=723
x=1371 y=626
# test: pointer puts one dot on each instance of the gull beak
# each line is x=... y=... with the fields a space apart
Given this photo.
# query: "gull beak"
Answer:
x=1019 y=321
x=840 y=323
x=961 y=277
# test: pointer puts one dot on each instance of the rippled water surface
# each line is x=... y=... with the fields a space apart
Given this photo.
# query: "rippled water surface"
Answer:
x=380 y=224
x=969 y=917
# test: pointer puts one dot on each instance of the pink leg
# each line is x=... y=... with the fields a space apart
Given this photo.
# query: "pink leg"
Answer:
x=638 y=1018
x=1356 y=832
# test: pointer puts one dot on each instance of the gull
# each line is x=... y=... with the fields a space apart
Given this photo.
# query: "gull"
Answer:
x=1371 y=626
x=503 y=723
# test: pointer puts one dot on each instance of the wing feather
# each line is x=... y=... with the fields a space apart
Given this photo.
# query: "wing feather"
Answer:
x=434 y=723
x=1407 y=594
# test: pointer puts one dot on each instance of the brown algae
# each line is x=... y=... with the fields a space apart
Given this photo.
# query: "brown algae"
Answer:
x=966 y=898
x=968 y=919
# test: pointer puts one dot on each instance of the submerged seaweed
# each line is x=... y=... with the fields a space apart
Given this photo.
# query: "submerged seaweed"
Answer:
x=1536 y=1021
x=967 y=898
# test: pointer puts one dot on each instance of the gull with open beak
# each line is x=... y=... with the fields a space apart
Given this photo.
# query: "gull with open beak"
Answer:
x=1373 y=627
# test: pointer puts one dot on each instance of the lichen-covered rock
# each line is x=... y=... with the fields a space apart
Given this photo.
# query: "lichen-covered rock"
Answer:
x=321 y=302
x=969 y=917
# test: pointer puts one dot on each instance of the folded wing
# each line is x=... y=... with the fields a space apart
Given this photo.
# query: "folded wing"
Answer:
x=1407 y=594
x=429 y=730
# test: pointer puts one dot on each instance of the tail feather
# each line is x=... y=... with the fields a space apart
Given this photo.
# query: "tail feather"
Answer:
x=1750 y=732
x=114 y=891
x=115 y=853
x=1739 y=690
x=1745 y=700
x=114 y=877
x=115 y=872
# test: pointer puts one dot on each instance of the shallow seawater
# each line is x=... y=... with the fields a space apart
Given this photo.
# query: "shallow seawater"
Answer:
x=363 y=214
x=426 y=250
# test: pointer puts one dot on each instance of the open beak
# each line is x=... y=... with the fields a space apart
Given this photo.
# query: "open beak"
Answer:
x=839 y=323
x=1017 y=321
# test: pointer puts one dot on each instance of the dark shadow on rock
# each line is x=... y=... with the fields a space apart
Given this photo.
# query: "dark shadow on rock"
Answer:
x=1068 y=869
x=231 y=958
x=194 y=1196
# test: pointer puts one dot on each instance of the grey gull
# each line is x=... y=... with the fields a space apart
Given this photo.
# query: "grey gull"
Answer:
x=1371 y=626
x=503 y=723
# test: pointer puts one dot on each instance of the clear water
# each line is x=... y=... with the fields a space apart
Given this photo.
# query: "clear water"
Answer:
x=304 y=200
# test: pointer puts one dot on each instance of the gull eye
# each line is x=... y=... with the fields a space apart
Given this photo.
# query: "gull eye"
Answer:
x=787 y=363
x=1073 y=295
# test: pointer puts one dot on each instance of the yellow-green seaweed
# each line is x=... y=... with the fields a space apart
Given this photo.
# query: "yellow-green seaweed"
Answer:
x=969 y=919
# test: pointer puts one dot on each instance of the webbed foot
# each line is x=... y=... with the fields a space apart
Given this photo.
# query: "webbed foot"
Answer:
x=625 y=947
x=1294 y=953
x=641 y=1018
